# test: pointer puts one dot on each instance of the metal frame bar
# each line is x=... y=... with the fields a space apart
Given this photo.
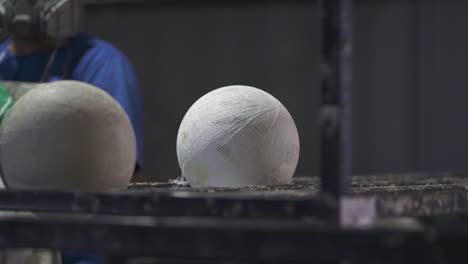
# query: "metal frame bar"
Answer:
x=104 y=2
x=262 y=240
x=168 y=204
x=335 y=116
x=394 y=195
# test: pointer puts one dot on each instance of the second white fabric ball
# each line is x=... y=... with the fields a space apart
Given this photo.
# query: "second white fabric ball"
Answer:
x=236 y=136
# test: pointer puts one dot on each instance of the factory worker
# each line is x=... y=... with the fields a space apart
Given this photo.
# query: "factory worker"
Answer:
x=37 y=50
x=43 y=44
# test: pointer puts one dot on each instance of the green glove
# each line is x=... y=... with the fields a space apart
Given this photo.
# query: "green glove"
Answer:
x=6 y=102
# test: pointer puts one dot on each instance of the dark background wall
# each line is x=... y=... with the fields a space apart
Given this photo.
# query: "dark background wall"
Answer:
x=410 y=73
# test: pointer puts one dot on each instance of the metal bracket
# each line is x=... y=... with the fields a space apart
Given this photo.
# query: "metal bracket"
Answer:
x=357 y=212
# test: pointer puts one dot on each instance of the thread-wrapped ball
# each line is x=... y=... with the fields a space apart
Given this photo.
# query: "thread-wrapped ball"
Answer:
x=67 y=135
x=237 y=136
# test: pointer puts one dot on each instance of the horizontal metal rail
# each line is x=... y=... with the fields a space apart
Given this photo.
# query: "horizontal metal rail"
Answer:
x=262 y=240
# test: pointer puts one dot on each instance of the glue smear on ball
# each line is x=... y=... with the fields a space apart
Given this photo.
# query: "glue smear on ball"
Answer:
x=237 y=136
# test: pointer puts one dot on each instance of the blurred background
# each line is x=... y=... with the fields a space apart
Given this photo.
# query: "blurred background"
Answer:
x=410 y=73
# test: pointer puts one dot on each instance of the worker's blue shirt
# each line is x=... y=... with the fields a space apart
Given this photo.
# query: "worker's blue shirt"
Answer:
x=80 y=258
x=85 y=59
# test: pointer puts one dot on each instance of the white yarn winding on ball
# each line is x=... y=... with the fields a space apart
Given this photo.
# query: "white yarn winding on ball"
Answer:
x=237 y=136
x=67 y=135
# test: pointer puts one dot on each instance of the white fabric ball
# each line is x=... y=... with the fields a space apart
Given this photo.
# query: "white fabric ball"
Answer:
x=237 y=136
x=67 y=135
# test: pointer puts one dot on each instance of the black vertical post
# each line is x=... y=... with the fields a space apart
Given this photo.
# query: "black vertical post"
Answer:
x=335 y=116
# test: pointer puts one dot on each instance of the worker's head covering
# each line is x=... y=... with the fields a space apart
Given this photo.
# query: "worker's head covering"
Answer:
x=51 y=19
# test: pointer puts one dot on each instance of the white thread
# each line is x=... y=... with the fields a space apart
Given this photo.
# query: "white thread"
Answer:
x=236 y=136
